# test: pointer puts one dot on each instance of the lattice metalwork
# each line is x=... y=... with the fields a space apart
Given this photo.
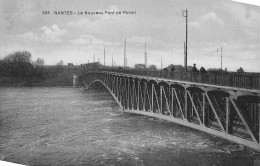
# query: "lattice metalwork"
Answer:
x=230 y=113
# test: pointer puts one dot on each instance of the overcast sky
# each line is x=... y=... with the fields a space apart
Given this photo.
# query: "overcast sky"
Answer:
x=159 y=23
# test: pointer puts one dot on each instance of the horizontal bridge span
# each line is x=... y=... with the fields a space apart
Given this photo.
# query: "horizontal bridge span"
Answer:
x=230 y=113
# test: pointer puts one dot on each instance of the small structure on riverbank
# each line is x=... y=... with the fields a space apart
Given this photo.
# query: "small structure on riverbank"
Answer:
x=94 y=65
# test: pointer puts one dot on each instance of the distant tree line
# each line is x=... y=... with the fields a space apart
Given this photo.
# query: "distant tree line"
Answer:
x=142 y=66
x=19 y=64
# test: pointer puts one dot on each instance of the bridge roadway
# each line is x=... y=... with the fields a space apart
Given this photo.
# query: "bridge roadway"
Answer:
x=227 y=112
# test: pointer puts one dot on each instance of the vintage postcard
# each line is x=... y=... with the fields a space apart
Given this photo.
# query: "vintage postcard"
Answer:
x=129 y=82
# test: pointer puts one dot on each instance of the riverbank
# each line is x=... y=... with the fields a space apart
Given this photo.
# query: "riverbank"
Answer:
x=60 y=80
x=13 y=81
x=52 y=78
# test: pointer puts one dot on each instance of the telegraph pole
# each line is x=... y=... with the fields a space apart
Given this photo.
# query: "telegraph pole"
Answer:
x=125 y=54
x=94 y=58
x=145 y=56
x=104 y=57
x=161 y=63
x=185 y=14
x=184 y=54
x=220 y=56
x=112 y=60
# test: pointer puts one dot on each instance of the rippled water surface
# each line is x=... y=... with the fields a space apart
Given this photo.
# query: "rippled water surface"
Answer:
x=73 y=126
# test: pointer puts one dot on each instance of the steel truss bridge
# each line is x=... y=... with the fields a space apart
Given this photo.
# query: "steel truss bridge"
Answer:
x=227 y=112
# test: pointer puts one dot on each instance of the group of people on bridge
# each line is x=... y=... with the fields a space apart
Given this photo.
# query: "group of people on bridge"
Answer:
x=194 y=69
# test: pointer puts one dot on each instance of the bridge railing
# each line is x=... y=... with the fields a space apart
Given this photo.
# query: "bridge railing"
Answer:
x=241 y=80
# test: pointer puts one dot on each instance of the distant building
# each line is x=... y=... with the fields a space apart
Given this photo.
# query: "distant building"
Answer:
x=94 y=65
x=152 y=67
x=139 y=66
x=178 y=68
x=189 y=68
x=214 y=70
x=70 y=65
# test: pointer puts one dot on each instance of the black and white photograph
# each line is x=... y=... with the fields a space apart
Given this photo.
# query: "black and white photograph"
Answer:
x=129 y=83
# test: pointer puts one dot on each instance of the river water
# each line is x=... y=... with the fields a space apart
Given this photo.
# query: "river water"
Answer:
x=74 y=126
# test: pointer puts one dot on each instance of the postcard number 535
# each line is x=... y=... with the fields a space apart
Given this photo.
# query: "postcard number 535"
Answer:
x=46 y=12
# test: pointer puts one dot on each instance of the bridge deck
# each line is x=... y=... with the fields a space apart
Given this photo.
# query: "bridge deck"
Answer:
x=256 y=91
x=231 y=79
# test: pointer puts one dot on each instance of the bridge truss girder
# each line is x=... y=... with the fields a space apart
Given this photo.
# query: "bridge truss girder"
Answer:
x=227 y=113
